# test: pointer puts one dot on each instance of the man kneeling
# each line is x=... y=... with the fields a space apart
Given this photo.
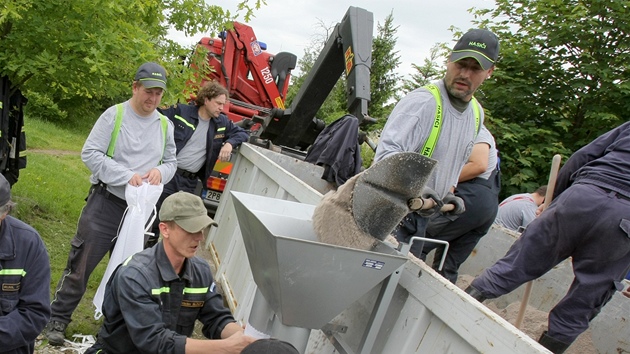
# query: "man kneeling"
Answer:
x=154 y=298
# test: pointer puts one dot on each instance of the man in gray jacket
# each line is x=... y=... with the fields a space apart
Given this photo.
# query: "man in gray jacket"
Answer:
x=441 y=121
x=130 y=143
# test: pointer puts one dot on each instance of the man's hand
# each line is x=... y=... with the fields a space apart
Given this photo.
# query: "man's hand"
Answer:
x=154 y=177
x=226 y=152
x=135 y=180
x=458 y=202
x=540 y=209
x=626 y=292
x=427 y=193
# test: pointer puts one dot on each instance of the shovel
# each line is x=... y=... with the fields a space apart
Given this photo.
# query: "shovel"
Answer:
x=369 y=206
x=553 y=174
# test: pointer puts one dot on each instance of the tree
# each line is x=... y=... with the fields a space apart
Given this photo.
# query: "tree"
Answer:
x=72 y=57
x=429 y=71
x=562 y=79
x=383 y=79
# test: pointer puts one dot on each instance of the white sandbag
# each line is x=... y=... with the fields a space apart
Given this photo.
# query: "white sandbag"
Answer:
x=130 y=240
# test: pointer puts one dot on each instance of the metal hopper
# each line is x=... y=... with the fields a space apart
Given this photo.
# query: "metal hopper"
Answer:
x=305 y=282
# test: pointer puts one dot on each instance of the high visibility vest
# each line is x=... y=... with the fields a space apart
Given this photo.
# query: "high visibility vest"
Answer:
x=431 y=142
x=118 y=123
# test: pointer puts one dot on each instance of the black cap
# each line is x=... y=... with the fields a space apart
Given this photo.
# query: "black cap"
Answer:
x=480 y=44
x=5 y=191
x=151 y=75
x=270 y=346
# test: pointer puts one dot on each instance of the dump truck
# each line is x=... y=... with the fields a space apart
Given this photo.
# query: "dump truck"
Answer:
x=279 y=281
x=258 y=81
x=277 y=277
x=327 y=299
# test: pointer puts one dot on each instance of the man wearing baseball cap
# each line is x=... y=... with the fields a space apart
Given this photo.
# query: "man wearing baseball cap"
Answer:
x=129 y=144
x=154 y=298
x=441 y=121
x=24 y=282
x=151 y=75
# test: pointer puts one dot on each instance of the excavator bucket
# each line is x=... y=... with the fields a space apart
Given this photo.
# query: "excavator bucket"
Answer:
x=368 y=206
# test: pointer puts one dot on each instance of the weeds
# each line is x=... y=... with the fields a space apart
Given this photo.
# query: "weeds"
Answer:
x=50 y=194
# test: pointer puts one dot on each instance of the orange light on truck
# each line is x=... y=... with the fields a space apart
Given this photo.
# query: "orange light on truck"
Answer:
x=216 y=183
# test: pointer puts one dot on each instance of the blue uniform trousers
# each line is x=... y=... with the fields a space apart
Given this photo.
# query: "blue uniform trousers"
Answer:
x=464 y=231
x=176 y=184
x=587 y=223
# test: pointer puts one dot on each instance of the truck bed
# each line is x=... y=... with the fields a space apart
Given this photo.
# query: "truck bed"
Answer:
x=427 y=314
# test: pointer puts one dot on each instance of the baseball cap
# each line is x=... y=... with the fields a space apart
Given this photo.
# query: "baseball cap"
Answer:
x=186 y=210
x=270 y=346
x=5 y=191
x=151 y=75
x=480 y=44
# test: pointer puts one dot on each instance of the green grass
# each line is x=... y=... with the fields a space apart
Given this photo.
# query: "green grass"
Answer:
x=46 y=135
x=50 y=194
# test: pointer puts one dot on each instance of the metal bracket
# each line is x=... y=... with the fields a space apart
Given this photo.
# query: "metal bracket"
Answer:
x=330 y=328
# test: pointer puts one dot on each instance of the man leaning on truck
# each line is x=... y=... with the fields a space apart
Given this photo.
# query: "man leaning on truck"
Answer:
x=203 y=134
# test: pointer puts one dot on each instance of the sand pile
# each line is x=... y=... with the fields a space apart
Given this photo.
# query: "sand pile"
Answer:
x=534 y=321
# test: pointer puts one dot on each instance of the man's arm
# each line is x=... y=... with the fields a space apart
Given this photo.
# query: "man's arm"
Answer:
x=233 y=344
x=235 y=134
x=235 y=137
x=94 y=152
x=408 y=125
x=528 y=215
x=477 y=162
x=586 y=154
x=169 y=159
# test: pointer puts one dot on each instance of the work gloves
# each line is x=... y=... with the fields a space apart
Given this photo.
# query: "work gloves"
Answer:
x=417 y=204
x=458 y=202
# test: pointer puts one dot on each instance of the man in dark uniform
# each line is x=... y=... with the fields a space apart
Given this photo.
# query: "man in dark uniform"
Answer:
x=24 y=280
x=589 y=221
x=154 y=298
x=203 y=134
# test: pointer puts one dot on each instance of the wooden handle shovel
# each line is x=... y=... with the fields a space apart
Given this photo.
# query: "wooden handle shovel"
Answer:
x=553 y=174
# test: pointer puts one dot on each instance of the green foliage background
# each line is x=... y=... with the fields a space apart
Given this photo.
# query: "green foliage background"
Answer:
x=73 y=58
x=562 y=79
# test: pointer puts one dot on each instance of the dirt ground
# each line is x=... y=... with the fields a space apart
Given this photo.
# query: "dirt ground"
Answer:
x=534 y=321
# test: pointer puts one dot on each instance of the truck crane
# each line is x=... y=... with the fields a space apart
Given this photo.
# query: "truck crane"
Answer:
x=258 y=83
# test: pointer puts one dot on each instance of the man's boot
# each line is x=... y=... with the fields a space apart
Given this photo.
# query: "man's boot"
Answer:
x=476 y=294
x=55 y=331
x=554 y=345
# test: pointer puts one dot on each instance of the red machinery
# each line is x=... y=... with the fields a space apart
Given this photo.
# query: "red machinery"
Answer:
x=258 y=82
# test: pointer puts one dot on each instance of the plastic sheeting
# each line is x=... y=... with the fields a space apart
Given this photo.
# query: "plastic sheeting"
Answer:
x=130 y=240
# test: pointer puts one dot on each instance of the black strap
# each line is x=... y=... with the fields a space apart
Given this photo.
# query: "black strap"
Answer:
x=187 y=174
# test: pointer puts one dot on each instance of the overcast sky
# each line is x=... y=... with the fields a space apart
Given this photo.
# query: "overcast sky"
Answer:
x=290 y=25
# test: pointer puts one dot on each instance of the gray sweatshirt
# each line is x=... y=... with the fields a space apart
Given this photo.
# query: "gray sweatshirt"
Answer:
x=409 y=126
x=485 y=136
x=138 y=149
